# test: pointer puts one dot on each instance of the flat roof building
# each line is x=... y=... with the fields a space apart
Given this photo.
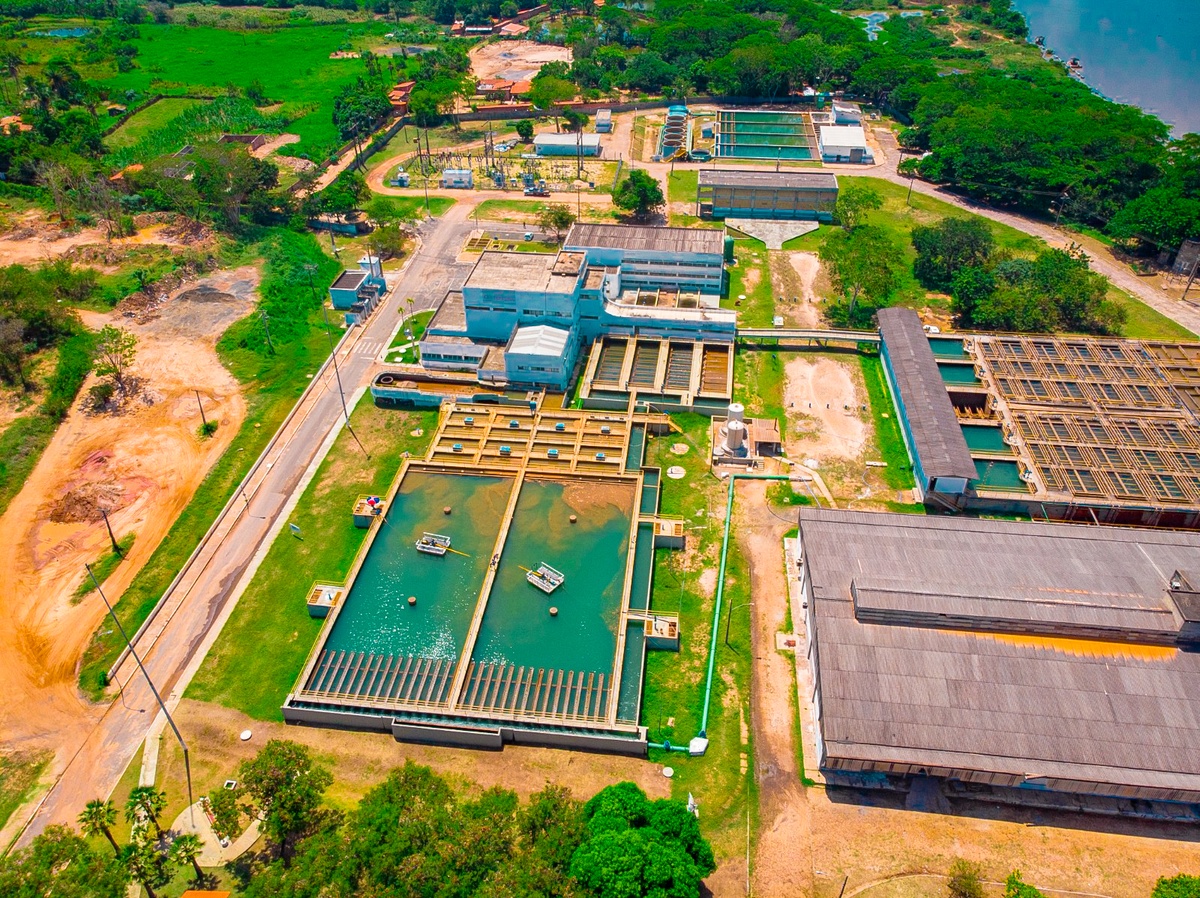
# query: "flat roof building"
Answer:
x=844 y=143
x=747 y=193
x=1012 y=656
x=551 y=144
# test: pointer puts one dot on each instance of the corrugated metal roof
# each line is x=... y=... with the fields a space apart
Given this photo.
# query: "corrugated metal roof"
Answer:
x=728 y=177
x=649 y=239
x=1034 y=706
x=539 y=339
x=931 y=420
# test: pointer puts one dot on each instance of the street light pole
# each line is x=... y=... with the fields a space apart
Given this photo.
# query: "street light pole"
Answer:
x=187 y=763
x=111 y=538
x=203 y=419
x=338 y=374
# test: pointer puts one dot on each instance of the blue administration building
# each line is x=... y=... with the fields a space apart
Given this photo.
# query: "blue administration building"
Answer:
x=521 y=319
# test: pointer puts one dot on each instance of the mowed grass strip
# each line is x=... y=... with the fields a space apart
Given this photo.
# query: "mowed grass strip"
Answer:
x=255 y=661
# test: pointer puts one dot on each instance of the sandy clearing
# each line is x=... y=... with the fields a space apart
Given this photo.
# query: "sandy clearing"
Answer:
x=794 y=276
x=280 y=140
x=817 y=393
x=32 y=241
x=515 y=60
x=143 y=466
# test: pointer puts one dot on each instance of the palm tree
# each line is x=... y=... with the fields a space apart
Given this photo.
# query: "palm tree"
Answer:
x=97 y=818
x=146 y=865
x=186 y=850
x=146 y=803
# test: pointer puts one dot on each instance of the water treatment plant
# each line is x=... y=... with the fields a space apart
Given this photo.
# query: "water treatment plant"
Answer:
x=532 y=625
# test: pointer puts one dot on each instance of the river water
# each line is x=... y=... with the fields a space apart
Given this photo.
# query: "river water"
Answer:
x=1134 y=51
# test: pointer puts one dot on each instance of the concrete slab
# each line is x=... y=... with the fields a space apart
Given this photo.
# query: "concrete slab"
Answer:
x=773 y=233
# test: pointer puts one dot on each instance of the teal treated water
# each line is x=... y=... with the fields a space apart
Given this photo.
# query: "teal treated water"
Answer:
x=631 y=672
x=643 y=569
x=947 y=347
x=650 y=487
x=957 y=374
x=637 y=447
x=376 y=616
x=985 y=438
x=517 y=627
x=999 y=475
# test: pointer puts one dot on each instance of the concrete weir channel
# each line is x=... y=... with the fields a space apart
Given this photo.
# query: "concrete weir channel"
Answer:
x=461 y=648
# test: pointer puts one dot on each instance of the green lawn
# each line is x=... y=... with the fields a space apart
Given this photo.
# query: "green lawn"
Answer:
x=103 y=567
x=141 y=123
x=21 y=445
x=19 y=773
x=889 y=444
x=681 y=186
x=673 y=694
x=413 y=207
x=292 y=64
x=1145 y=323
x=510 y=210
x=237 y=673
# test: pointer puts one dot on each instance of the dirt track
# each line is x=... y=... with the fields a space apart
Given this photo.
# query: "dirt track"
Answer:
x=142 y=466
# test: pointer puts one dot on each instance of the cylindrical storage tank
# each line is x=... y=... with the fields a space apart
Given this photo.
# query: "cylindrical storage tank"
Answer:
x=735 y=435
x=737 y=411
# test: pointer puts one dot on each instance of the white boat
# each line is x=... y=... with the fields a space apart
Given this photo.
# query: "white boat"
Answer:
x=545 y=578
x=433 y=544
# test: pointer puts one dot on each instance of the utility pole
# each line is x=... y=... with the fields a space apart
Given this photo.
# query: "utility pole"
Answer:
x=111 y=538
x=203 y=419
x=187 y=763
x=1195 y=269
x=338 y=374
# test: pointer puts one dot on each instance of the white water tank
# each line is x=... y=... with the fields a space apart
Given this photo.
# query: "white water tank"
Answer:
x=735 y=435
x=737 y=411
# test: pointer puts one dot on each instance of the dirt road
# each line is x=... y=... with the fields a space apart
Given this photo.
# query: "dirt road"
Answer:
x=142 y=467
x=783 y=857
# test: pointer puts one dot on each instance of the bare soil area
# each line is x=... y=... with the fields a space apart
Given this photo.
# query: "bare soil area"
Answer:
x=515 y=60
x=794 y=275
x=141 y=466
x=32 y=240
x=823 y=400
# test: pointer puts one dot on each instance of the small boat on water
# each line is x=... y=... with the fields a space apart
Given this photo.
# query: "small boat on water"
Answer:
x=433 y=544
x=545 y=578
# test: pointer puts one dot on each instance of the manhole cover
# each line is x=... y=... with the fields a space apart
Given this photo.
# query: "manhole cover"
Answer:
x=416 y=433
x=679 y=448
x=675 y=472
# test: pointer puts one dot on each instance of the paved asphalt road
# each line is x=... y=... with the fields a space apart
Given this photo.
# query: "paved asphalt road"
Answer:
x=191 y=609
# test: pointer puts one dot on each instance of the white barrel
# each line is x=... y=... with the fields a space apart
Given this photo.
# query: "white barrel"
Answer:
x=737 y=411
x=735 y=435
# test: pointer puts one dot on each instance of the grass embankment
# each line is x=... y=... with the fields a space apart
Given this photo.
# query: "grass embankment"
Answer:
x=273 y=382
x=144 y=121
x=291 y=64
x=19 y=774
x=103 y=567
x=237 y=673
x=889 y=443
x=527 y=211
x=411 y=333
x=673 y=696
x=413 y=207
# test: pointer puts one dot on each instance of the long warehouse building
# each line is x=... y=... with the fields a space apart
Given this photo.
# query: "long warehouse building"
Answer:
x=1011 y=656
x=788 y=196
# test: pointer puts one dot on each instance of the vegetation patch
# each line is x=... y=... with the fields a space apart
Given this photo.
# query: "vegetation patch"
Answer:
x=19 y=774
x=103 y=567
x=890 y=443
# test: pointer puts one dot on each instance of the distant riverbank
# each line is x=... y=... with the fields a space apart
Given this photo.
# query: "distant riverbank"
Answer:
x=1144 y=54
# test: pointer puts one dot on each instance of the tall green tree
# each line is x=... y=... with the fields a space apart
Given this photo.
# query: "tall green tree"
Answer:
x=285 y=785
x=60 y=864
x=145 y=805
x=854 y=201
x=948 y=246
x=863 y=263
x=639 y=194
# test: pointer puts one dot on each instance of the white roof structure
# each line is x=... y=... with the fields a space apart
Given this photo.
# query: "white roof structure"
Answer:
x=539 y=339
x=843 y=136
x=566 y=140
